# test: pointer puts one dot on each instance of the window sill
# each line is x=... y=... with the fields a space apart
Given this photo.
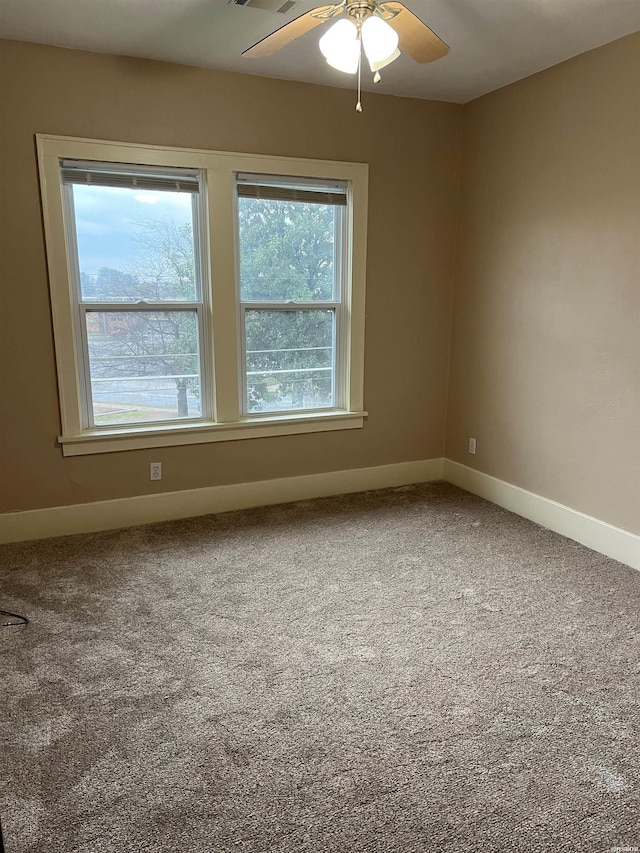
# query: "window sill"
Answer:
x=136 y=438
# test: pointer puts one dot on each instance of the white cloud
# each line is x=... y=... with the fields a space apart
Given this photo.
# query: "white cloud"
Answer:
x=146 y=198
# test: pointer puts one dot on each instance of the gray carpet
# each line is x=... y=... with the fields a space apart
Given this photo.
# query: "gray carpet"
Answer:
x=400 y=671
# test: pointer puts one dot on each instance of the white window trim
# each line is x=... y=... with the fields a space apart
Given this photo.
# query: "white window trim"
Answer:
x=220 y=232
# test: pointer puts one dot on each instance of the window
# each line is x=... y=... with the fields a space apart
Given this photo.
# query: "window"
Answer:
x=134 y=239
x=291 y=238
x=202 y=296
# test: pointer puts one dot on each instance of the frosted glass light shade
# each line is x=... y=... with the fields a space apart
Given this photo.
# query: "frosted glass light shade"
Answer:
x=376 y=66
x=340 y=46
x=378 y=39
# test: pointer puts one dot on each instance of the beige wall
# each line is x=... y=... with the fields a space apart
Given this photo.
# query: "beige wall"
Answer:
x=412 y=147
x=545 y=358
x=545 y=368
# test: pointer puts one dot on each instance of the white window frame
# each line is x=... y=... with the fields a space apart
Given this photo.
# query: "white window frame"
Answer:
x=82 y=307
x=221 y=305
x=340 y=289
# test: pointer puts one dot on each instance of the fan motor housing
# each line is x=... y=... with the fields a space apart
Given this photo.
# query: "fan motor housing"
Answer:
x=361 y=9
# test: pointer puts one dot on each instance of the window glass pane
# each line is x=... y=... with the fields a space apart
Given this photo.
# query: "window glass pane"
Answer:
x=134 y=244
x=286 y=250
x=144 y=365
x=290 y=361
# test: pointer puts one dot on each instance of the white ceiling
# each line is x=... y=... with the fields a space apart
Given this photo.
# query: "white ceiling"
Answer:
x=493 y=42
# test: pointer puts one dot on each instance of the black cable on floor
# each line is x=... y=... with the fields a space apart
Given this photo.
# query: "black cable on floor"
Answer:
x=1 y=841
x=22 y=620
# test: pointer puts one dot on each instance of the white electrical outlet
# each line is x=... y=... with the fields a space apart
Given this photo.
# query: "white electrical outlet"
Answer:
x=155 y=471
x=472 y=446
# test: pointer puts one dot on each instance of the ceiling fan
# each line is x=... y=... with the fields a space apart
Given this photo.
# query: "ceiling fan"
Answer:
x=379 y=29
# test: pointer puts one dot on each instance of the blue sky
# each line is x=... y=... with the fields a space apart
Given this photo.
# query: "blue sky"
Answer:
x=108 y=219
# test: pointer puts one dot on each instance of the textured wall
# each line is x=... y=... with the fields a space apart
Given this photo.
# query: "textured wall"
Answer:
x=412 y=148
x=545 y=369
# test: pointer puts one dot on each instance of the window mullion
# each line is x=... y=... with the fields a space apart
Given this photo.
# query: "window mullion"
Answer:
x=225 y=312
x=354 y=271
x=341 y=327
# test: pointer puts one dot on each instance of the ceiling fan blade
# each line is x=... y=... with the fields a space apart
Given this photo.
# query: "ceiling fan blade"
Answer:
x=416 y=39
x=291 y=31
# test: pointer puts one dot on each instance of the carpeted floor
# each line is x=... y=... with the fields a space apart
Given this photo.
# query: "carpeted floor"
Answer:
x=403 y=671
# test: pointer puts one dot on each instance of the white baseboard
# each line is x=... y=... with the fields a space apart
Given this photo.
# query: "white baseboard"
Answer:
x=145 y=509
x=602 y=537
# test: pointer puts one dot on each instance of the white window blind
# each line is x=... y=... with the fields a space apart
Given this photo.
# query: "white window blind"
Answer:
x=134 y=177
x=292 y=189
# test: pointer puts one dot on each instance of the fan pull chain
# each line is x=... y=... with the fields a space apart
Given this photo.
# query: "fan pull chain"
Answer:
x=359 y=105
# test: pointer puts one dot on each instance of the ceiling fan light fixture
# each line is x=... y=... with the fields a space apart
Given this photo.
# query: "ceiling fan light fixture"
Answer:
x=376 y=66
x=348 y=63
x=379 y=40
x=340 y=46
